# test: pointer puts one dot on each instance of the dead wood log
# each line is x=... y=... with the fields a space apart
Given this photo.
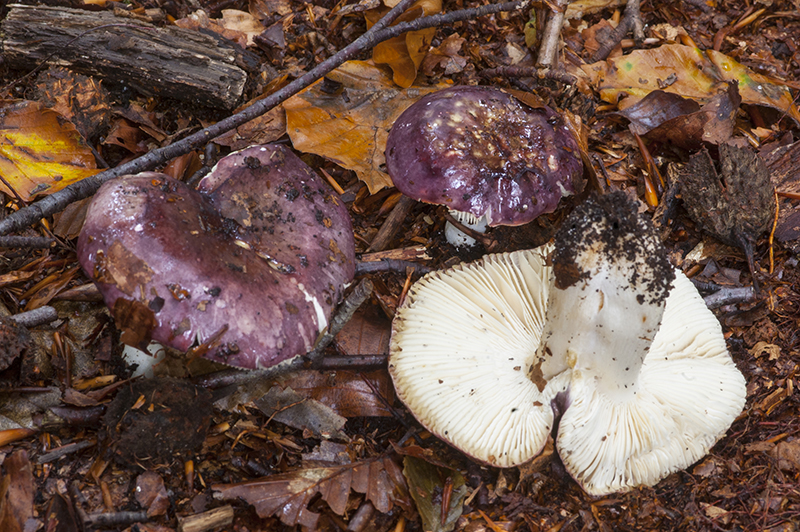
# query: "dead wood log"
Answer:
x=172 y=62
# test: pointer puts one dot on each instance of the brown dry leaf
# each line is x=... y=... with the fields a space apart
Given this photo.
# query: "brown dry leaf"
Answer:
x=48 y=291
x=446 y=57
x=404 y=53
x=787 y=453
x=263 y=129
x=40 y=152
x=665 y=116
x=287 y=495
x=764 y=348
x=233 y=19
x=687 y=71
x=16 y=492
x=346 y=392
x=367 y=333
x=125 y=134
x=199 y=20
x=346 y=118
x=151 y=493
x=80 y=99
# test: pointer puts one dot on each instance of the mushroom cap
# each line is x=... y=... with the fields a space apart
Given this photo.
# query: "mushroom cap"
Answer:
x=462 y=345
x=482 y=151
x=255 y=263
x=689 y=393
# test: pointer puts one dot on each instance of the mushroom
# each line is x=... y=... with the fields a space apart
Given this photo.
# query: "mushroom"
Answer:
x=462 y=345
x=483 y=154
x=248 y=269
x=600 y=324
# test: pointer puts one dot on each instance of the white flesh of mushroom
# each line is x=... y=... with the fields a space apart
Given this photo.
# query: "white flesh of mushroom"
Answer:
x=459 y=238
x=462 y=346
x=689 y=392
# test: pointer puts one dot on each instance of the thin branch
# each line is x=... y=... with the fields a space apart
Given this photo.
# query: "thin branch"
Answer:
x=378 y=33
x=552 y=34
x=30 y=242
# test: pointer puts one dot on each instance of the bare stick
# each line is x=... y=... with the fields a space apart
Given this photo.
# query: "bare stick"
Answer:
x=392 y=224
x=37 y=316
x=552 y=33
x=632 y=20
x=729 y=296
x=30 y=242
x=379 y=32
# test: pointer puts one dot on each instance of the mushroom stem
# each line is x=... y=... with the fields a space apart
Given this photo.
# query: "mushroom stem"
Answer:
x=464 y=229
x=611 y=275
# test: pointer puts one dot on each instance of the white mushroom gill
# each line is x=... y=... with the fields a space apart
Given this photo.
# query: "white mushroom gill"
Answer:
x=652 y=385
x=462 y=346
x=689 y=392
x=478 y=352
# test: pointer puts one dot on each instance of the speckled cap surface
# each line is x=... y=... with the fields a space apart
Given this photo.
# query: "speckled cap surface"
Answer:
x=482 y=151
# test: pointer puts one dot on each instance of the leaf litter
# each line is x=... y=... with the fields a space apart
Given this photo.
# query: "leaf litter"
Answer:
x=56 y=391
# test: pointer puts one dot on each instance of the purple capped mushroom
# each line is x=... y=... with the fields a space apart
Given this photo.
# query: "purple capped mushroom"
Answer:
x=489 y=158
x=250 y=266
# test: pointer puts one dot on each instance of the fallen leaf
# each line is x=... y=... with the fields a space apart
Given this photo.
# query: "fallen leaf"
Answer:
x=404 y=53
x=687 y=71
x=428 y=485
x=787 y=453
x=346 y=118
x=40 y=152
x=345 y=392
x=764 y=348
x=287 y=495
x=668 y=117
x=151 y=493
x=445 y=57
x=290 y=408
x=16 y=492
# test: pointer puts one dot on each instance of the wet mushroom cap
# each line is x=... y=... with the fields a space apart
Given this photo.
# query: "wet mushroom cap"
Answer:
x=482 y=151
x=461 y=350
x=254 y=263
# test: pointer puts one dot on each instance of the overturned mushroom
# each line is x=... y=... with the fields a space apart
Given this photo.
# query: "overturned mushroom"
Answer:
x=489 y=158
x=648 y=385
x=249 y=268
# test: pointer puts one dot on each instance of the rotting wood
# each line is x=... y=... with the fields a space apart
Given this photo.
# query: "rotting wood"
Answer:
x=169 y=62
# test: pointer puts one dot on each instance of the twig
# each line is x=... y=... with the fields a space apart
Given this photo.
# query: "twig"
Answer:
x=343 y=314
x=30 y=242
x=37 y=316
x=552 y=34
x=632 y=20
x=64 y=450
x=115 y=519
x=379 y=32
x=390 y=265
x=526 y=71
x=729 y=296
x=392 y=224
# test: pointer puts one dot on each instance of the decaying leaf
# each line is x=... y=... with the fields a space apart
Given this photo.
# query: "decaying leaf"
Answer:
x=16 y=492
x=668 y=117
x=290 y=408
x=346 y=118
x=287 y=495
x=431 y=487
x=687 y=71
x=40 y=152
x=404 y=53
x=238 y=26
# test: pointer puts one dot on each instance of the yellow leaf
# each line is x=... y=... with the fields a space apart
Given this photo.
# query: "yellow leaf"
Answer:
x=404 y=53
x=40 y=152
x=687 y=71
x=347 y=116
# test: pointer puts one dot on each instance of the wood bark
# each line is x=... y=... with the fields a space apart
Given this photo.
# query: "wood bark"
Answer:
x=172 y=62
